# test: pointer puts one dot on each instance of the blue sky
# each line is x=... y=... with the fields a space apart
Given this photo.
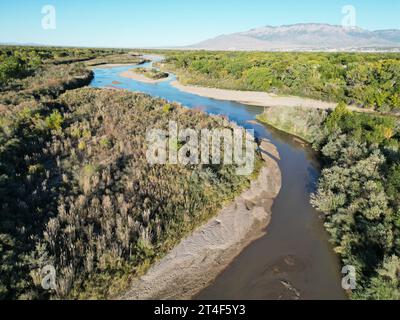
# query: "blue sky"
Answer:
x=149 y=23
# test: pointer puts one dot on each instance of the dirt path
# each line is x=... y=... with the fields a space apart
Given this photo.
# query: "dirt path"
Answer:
x=199 y=258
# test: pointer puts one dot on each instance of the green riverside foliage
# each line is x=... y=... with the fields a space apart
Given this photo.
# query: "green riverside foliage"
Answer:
x=301 y=122
x=358 y=190
x=367 y=80
x=77 y=192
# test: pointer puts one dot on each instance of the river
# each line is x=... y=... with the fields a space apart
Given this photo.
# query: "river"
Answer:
x=294 y=260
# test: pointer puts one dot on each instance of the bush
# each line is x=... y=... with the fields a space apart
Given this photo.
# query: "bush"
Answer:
x=54 y=121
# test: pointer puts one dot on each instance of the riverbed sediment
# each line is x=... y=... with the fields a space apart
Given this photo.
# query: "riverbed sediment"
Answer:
x=262 y=99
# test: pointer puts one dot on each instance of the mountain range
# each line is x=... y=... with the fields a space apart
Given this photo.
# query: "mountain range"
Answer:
x=305 y=37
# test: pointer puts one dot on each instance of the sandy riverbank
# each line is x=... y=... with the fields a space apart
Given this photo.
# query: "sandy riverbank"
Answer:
x=140 y=77
x=199 y=258
x=261 y=99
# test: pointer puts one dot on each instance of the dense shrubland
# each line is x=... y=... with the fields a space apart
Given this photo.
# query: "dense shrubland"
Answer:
x=77 y=192
x=20 y=62
x=366 y=80
x=358 y=190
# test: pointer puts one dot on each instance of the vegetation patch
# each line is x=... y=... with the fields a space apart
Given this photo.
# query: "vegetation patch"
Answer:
x=152 y=73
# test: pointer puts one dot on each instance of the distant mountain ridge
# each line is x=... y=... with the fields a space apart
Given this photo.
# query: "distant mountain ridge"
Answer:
x=305 y=37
